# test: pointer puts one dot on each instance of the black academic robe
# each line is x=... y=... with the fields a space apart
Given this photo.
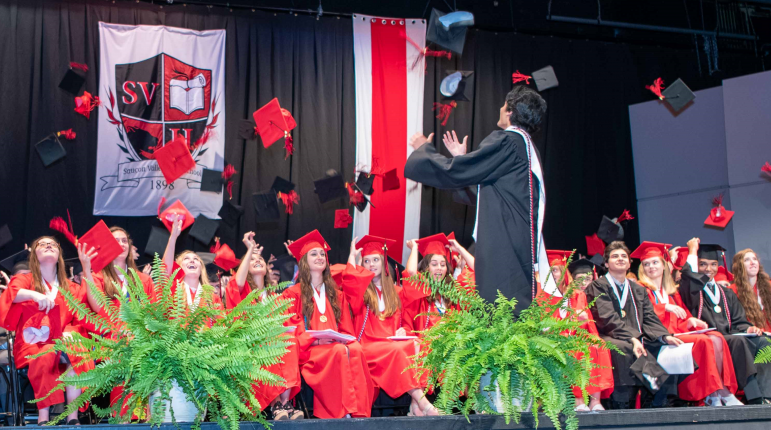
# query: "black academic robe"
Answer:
x=743 y=349
x=620 y=331
x=500 y=167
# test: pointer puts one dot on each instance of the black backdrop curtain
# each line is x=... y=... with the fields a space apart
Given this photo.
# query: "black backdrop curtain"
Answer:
x=308 y=64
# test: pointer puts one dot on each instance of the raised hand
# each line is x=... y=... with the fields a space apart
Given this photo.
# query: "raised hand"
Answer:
x=286 y=245
x=411 y=243
x=693 y=245
x=456 y=148
x=249 y=240
x=176 y=230
x=354 y=255
x=85 y=256
x=418 y=139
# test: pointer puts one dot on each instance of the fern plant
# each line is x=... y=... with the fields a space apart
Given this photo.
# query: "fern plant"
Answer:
x=763 y=356
x=531 y=358
x=213 y=355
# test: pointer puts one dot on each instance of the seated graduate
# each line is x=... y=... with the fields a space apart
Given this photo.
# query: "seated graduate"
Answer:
x=624 y=317
x=752 y=286
x=336 y=371
x=252 y=275
x=602 y=376
x=376 y=304
x=713 y=381
x=192 y=274
x=33 y=307
x=720 y=308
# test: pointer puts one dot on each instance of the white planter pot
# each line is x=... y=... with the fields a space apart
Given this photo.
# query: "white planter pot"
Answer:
x=184 y=411
x=495 y=398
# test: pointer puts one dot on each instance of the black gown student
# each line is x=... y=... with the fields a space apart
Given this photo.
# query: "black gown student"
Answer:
x=625 y=318
x=720 y=308
x=509 y=201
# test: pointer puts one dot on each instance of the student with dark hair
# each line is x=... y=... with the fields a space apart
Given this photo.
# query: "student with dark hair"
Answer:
x=625 y=317
x=505 y=173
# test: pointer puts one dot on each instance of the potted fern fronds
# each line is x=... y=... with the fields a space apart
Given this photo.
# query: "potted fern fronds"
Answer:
x=213 y=356
x=482 y=351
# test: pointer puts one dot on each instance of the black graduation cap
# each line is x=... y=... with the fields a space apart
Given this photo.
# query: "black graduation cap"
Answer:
x=50 y=150
x=330 y=188
x=598 y=260
x=72 y=82
x=285 y=265
x=8 y=262
x=397 y=267
x=230 y=213
x=452 y=38
x=710 y=251
x=5 y=235
x=211 y=180
x=458 y=85
x=366 y=183
x=156 y=243
x=266 y=206
x=281 y=185
x=246 y=129
x=582 y=265
x=545 y=78
x=648 y=371
x=678 y=95
x=204 y=229
x=206 y=257
x=610 y=230
x=76 y=265
x=363 y=205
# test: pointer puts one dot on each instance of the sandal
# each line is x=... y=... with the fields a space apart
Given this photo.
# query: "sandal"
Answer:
x=279 y=412
x=73 y=422
x=430 y=408
x=294 y=414
x=42 y=423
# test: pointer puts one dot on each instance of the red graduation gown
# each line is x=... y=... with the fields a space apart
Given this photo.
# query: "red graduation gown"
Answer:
x=43 y=371
x=602 y=376
x=767 y=325
x=388 y=360
x=147 y=284
x=706 y=379
x=337 y=373
x=418 y=313
x=288 y=368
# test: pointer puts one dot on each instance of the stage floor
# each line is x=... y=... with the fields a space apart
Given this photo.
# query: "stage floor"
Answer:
x=702 y=418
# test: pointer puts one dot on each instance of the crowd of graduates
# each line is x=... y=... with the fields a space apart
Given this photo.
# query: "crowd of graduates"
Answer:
x=679 y=296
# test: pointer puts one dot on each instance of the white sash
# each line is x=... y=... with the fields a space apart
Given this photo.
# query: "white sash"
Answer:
x=662 y=296
x=193 y=303
x=714 y=297
x=320 y=298
x=624 y=294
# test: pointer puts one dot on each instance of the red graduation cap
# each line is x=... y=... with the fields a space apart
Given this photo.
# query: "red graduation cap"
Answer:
x=723 y=275
x=176 y=208
x=303 y=245
x=435 y=244
x=86 y=103
x=648 y=250
x=558 y=258
x=681 y=257
x=337 y=273
x=273 y=123
x=594 y=245
x=101 y=239
x=342 y=218
x=371 y=245
x=42 y=327
x=391 y=181
x=174 y=159
x=224 y=257
x=719 y=216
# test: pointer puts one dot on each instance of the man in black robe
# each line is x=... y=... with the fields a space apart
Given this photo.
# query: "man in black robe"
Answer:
x=510 y=200
x=625 y=318
x=720 y=308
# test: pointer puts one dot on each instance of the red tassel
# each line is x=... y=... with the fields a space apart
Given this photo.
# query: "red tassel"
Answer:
x=67 y=134
x=58 y=224
x=289 y=199
x=160 y=205
x=445 y=110
x=288 y=145
x=431 y=53
x=81 y=66
x=216 y=247
x=229 y=187
x=354 y=196
x=86 y=103
x=519 y=77
x=202 y=140
x=625 y=216
x=656 y=88
x=766 y=168
x=228 y=172
x=718 y=200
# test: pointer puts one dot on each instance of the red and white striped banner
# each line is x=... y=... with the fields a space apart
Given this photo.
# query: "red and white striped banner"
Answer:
x=390 y=74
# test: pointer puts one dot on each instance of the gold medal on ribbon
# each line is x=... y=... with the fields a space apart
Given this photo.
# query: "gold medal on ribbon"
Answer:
x=623 y=313
x=323 y=318
x=717 y=309
x=381 y=317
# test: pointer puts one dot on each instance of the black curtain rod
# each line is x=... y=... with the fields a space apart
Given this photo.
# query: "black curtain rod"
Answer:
x=254 y=8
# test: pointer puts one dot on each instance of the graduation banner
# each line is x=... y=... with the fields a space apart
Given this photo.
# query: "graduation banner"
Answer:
x=390 y=73
x=158 y=84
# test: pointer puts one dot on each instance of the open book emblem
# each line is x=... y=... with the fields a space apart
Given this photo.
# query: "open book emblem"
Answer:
x=187 y=95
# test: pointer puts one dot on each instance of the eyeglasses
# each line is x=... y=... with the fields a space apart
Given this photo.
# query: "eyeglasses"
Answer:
x=46 y=245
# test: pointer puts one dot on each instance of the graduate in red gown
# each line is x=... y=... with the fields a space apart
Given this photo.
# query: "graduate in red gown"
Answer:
x=33 y=306
x=252 y=275
x=714 y=381
x=337 y=371
x=601 y=376
x=192 y=274
x=377 y=309
x=106 y=281
x=753 y=287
